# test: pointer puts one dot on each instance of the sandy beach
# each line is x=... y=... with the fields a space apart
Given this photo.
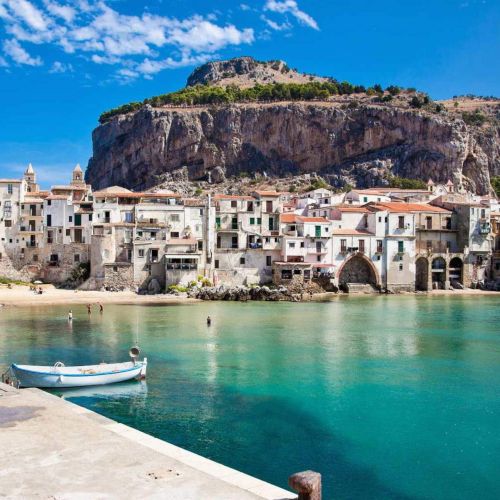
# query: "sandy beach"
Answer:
x=21 y=296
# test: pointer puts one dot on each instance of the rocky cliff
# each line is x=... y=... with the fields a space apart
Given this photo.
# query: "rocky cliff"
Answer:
x=359 y=142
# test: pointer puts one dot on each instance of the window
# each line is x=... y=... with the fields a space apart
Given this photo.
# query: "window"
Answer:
x=448 y=246
x=343 y=245
x=234 y=242
x=70 y=218
x=68 y=232
x=217 y=222
x=49 y=220
x=154 y=255
x=234 y=204
x=129 y=217
x=234 y=223
x=216 y=264
x=365 y=199
x=401 y=222
x=175 y=217
x=200 y=244
x=269 y=260
x=115 y=269
x=317 y=231
x=35 y=258
x=318 y=258
x=252 y=221
x=49 y=202
x=400 y=267
x=9 y=188
x=380 y=219
x=291 y=244
x=385 y=219
x=361 y=245
x=380 y=246
x=8 y=223
x=428 y=222
x=301 y=244
x=141 y=252
x=250 y=206
x=242 y=261
x=174 y=234
x=269 y=206
x=483 y=213
x=259 y=220
x=271 y=224
x=76 y=257
x=401 y=246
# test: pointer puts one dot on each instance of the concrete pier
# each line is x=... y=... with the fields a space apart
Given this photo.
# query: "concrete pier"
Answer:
x=51 y=448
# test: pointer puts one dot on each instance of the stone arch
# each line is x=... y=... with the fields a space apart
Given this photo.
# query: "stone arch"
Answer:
x=358 y=269
x=422 y=274
x=456 y=270
x=438 y=272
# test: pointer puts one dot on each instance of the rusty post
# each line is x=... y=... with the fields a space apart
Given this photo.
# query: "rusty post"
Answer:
x=307 y=484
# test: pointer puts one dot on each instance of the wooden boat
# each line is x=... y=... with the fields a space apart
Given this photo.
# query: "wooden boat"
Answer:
x=60 y=375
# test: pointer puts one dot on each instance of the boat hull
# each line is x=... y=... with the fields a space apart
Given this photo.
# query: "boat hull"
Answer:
x=68 y=377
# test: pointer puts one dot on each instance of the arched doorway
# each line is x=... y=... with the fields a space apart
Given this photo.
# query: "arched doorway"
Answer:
x=438 y=272
x=422 y=274
x=358 y=269
x=456 y=271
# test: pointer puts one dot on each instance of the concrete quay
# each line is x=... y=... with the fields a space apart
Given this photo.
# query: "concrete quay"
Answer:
x=51 y=448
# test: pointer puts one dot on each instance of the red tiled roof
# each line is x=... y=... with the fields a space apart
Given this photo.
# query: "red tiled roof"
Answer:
x=351 y=208
x=405 y=207
x=57 y=197
x=351 y=232
x=289 y=218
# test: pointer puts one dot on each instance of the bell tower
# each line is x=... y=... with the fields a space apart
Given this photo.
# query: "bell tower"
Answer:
x=30 y=178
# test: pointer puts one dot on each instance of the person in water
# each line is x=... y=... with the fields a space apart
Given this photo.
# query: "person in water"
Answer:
x=89 y=309
x=209 y=321
x=101 y=309
x=70 y=315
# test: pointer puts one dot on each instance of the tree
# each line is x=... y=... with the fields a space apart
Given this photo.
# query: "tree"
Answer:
x=495 y=184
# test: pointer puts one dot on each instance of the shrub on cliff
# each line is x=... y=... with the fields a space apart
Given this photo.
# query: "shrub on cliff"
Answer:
x=473 y=118
x=404 y=183
x=495 y=183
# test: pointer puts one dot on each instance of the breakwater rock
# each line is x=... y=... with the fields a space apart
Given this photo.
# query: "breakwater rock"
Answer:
x=243 y=293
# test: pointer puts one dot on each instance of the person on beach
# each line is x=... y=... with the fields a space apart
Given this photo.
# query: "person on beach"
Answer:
x=70 y=315
x=209 y=321
x=89 y=309
x=101 y=309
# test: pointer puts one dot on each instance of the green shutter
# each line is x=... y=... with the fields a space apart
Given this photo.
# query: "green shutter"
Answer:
x=252 y=221
x=259 y=220
x=217 y=222
x=401 y=246
x=317 y=231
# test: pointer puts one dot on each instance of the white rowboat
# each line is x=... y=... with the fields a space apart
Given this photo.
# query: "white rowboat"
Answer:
x=78 y=376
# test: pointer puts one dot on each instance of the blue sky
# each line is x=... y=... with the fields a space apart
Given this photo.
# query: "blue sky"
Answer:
x=63 y=62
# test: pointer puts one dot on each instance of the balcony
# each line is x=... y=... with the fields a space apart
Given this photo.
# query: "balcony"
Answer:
x=30 y=244
x=31 y=229
x=484 y=228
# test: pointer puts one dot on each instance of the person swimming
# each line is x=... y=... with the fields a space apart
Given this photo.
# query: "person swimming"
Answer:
x=70 y=315
x=209 y=321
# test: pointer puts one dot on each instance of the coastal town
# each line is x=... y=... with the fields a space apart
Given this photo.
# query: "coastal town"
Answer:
x=364 y=240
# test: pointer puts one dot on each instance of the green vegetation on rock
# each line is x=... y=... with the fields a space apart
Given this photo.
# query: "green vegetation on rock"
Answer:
x=207 y=94
x=404 y=183
x=495 y=183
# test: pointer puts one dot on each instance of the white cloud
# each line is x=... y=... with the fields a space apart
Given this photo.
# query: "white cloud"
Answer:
x=19 y=55
x=63 y=11
x=101 y=34
x=276 y=26
x=27 y=12
x=291 y=7
x=59 y=67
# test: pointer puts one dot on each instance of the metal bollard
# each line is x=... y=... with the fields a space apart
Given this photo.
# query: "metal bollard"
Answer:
x=307 y=484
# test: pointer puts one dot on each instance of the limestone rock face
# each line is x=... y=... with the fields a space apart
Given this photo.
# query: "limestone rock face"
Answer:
x=360 y=146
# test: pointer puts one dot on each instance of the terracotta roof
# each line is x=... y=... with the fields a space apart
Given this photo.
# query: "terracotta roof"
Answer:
x=405 y=207
x=33 y=200
x=368 y=191
x=181 y=241
x=289 y=218
x=351 y=232
x=37 y=194
x=68 y=188
x=160 y=194
x=193 y=202
x=351 y=208
x=495 y=214
x=57 y=197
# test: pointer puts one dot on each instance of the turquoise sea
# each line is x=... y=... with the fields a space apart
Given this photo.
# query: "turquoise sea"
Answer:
x=392 y=397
